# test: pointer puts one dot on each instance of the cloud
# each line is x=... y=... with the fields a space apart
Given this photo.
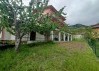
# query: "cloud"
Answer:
x=84 y=12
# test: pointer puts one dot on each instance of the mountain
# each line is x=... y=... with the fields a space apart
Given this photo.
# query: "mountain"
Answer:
x=78 y=26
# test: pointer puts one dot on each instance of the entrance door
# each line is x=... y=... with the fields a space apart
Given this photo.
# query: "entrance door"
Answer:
x=33 y=36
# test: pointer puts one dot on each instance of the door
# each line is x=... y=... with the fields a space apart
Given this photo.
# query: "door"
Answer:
x=33 y=36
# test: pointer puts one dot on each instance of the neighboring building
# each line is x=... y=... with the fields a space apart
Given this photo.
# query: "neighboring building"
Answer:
x=96 y=30
x=56 y=35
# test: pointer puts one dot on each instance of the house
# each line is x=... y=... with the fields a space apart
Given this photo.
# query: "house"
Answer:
x=96 y=30
x=55 y=35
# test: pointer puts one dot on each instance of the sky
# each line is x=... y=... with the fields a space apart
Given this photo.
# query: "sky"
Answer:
x=84 y=12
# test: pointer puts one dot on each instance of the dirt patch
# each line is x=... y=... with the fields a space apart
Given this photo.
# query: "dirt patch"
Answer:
x=81 y=46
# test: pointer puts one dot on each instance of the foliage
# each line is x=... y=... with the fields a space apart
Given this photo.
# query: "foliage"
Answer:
x=64 y=28
x=74 y=31
x=88 y=33
x=89 y=36
x=92 y=41
x=77 y=29
x=45 y=24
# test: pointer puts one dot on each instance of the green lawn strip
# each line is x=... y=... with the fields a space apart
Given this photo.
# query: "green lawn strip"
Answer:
x=49 y=57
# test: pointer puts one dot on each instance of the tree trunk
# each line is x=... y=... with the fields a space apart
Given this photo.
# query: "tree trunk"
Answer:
x=17 y=44
x=17 y=41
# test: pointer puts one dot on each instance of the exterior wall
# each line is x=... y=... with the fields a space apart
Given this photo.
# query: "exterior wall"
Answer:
x=39 y=37
x=57 y=19
x=7 y=35
x=12 y=37
x=48 y=11
x=26 y=37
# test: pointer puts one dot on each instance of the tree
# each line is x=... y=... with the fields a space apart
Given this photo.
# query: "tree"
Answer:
x=19 y=19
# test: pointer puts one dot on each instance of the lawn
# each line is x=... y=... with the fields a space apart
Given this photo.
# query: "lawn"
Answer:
x=67 y=56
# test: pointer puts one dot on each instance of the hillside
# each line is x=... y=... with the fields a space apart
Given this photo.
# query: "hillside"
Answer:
x=78 y=26
x=67 y=56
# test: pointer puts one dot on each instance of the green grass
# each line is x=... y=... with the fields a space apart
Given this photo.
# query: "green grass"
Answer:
x=70 y=56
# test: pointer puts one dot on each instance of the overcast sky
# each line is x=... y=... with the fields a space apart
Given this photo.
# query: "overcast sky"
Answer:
x=78 y=11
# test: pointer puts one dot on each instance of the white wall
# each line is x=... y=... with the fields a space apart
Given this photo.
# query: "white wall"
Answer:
x=12 y=37
x=7 y=35
x=26 y=37
x=39 y=37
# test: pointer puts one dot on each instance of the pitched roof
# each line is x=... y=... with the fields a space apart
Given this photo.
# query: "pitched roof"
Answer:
x=95 y=26
x=53 y=9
